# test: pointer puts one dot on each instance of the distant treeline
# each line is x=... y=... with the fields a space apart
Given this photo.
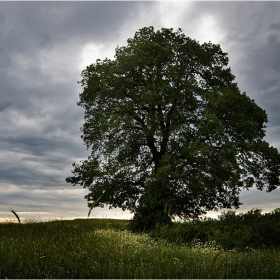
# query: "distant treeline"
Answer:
x=245 y=231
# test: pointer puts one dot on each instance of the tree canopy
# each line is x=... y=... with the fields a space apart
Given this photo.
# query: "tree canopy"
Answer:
x=170 y=133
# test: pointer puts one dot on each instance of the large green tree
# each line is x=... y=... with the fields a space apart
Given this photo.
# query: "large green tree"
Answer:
x=170 y=133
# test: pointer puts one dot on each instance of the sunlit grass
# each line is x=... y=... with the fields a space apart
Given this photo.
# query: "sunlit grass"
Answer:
x=107 y=249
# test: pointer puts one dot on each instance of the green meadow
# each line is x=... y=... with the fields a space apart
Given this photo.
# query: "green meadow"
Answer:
x=106 y=248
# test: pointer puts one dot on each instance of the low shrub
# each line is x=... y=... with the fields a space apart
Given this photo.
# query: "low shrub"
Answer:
x=245 y=230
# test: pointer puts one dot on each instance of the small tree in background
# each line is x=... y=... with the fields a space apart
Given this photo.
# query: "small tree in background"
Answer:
x=170 y=133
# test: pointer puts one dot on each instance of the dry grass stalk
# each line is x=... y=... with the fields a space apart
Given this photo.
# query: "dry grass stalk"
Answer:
x=16 y=215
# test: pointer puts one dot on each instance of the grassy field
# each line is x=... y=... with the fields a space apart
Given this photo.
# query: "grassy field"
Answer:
x=104 y=248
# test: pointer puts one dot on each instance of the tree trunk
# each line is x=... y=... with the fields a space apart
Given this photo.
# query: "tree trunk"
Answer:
x=152 y=209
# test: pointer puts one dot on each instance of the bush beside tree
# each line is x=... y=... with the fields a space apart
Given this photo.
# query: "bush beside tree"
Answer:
x=244 y=231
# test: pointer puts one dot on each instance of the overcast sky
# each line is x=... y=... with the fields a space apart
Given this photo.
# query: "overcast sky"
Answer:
x=44 y=46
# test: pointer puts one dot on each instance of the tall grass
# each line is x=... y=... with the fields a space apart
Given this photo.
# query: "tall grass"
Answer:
x=107 y=249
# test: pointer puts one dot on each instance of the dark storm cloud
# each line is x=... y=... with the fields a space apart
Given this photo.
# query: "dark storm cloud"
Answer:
x=27 y=29
x=44 y=24
x=264 y=77
x=29 y=90
x=39 y=145
x=40 y=47
x=251 y=36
